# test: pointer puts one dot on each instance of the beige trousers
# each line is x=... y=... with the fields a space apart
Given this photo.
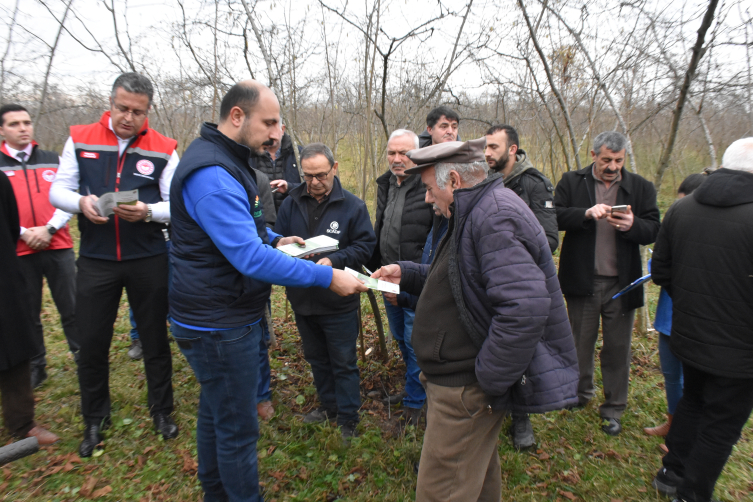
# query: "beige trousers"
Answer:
x=459 y=458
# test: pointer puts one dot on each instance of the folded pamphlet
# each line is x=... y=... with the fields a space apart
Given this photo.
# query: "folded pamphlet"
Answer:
x=376 y=284
x=314 y=245
x=110 y=200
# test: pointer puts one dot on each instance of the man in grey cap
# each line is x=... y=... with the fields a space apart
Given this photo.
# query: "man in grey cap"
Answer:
x=491 y=333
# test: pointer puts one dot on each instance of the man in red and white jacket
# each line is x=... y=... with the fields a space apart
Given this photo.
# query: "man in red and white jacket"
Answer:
x=126 y=250
x=45 y=249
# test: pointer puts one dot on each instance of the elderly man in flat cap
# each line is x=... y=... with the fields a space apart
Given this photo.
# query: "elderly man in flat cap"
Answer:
x=491 y=333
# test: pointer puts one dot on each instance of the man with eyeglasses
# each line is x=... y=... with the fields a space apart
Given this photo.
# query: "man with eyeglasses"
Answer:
x=120 y=153
x=328 y=323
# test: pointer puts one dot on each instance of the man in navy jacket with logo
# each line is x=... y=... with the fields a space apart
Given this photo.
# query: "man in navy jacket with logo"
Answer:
x=328 y=324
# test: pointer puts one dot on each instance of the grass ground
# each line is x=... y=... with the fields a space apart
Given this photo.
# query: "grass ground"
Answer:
x=574 y=460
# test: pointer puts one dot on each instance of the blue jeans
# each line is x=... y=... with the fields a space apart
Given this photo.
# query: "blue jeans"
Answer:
x=264 y=392
x=671 y=368
x=225 y=363
x=401 y=326
x=329 y=346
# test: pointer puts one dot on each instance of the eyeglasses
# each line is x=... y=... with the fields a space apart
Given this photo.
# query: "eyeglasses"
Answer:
x=125 y=111
x=320 y=176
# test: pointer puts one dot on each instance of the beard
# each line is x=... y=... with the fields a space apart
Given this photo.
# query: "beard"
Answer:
x=244 y=139
x=501 y=162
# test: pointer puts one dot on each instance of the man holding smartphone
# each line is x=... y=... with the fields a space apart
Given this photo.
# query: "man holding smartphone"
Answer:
x=607 y=213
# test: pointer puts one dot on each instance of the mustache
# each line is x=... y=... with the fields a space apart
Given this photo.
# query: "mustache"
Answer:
x=397 y=165
x=269 y=142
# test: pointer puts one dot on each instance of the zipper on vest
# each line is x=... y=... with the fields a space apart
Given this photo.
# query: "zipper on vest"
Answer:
x=121 y=161
x=28 y=190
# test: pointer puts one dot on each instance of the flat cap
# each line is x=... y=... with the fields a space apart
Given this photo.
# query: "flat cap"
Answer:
x=452 y=152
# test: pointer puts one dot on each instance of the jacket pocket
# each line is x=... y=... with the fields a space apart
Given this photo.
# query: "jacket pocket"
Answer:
x=435 y=356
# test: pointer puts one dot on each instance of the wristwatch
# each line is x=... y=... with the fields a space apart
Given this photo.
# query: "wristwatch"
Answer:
x=275 y=241
x=148 y=213
x=50 y=229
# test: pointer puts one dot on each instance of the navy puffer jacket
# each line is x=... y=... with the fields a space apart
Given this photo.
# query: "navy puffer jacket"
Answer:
x=505 y=285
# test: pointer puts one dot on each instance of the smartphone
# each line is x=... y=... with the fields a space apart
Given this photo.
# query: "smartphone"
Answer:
x=619 y=209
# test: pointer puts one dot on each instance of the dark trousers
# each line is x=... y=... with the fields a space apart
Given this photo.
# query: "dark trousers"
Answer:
x=329 y=346
x=617 y=330
x=17 y=399
x=99 y=285
x=225 y=364
x=59 y=267
x=707 y=423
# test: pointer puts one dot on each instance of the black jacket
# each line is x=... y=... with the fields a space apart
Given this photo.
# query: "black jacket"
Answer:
x=16 y=322
x=538 y=193
x=283 y=167
x=415 y=223
x=703 y=257
x=344 y=218
x=573 y=196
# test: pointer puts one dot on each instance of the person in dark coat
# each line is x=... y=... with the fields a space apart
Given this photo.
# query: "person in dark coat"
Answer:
x=328 y=323
x=441 y=126
x=504 y=156
x=703 y=259
x=16 y=329
x=601 y=255
x=403 y=219
x=491 y=332
x=279 y=164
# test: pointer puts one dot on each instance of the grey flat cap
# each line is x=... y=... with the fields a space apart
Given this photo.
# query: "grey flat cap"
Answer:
x=452 y=152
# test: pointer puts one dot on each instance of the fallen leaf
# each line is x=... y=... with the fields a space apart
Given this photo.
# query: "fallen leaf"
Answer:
x=88 y=486
x=148 y=449
x=642 y=490
x=102 y=491
x=567 y=495
x=615 y=500
x=544 y=456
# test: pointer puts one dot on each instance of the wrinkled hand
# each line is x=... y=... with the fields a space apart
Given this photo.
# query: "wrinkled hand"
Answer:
x=391 y=298
x=86 y=204
x=345 y=284
x=598 y=212
x=280 y=185
x=134 y=213
x=389 y=273
x=37 y=238
x=325 y=261
x=622 y=221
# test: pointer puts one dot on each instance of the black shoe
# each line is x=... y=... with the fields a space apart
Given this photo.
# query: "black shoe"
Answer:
x=38 y=376
x=136 y=351
x=165 y=425
x=666 y=482
x=415 y=467
x=396 y=398
x=319 y=415
x=349 y=431
x=521 y=431
x=411 y=416
x=92 y=438
x=611 y=426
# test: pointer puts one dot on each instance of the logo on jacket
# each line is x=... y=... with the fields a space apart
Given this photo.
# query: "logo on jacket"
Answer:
x=257 y=209
x=89 y=155
x=333 y=228
x=145 y=167
x=48 y=175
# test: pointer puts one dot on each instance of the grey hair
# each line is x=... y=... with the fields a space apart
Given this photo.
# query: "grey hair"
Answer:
x=404 y=132
x=613 y=140
x=471 y=173
x=739 y=155
x=313 y=149
x=135 y=83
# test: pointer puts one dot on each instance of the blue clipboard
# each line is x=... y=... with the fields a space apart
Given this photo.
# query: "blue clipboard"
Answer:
x=632 y=285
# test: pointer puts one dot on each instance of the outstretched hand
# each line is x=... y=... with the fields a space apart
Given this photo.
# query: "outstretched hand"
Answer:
x=389 y=273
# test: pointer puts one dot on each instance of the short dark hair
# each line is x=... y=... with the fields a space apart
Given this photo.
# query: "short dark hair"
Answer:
x=10 y=107
x=243 y=96
x=313 y=149
x=691 y=183
x=135 y=83
x=437 y=113
x=510 y=132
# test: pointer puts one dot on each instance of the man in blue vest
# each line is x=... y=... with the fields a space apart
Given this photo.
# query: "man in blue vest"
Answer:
x=329 y=325
x=223 y=267
x=127 y=249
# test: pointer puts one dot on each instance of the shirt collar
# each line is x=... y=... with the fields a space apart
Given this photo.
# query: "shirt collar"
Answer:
x=14 y=153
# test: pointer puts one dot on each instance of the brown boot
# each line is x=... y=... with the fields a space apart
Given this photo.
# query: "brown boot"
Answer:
x=661 y=430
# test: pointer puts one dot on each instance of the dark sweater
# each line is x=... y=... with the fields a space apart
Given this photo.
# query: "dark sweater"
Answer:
x=444 y=351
